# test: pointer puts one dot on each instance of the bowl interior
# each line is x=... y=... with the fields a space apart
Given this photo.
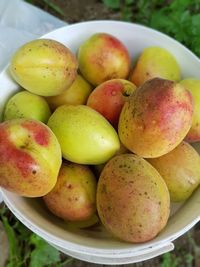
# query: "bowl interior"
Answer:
x=96 y=240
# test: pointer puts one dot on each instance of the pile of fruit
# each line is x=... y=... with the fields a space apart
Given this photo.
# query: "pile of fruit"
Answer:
x=97 y=138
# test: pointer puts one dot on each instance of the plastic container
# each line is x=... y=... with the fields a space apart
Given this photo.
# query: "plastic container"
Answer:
x=96 y=245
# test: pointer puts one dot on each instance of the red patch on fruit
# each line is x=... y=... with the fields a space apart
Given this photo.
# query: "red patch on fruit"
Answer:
x=178 y=109
x=108 y=100
x=106 y=51
x=114 y=42
x=39 y=132
x=112 y=89
x=162 y=110
x=16 y=157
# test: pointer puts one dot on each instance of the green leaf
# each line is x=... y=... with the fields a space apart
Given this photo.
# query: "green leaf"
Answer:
x=14 y=252
x=11 y=264
x=195 y=46
x=129 y=2
x=22 y=232
x=114 y=4
x=160 y=21
x=180 y=5
x=189 y=258
x=43 y=254
x=195 y=24
x=127 y=14
x=170 y=260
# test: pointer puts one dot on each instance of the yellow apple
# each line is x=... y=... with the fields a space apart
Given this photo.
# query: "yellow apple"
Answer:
x=44 y=67
x=154 y=62
x=180 y=170
x=76 y=94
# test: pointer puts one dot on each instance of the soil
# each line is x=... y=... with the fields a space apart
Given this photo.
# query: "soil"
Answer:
x=80 y=10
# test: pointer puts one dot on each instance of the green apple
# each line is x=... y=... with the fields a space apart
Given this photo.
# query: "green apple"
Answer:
x=30 y=157
x=76 y=94
x=193 y=85
x=27 y=105
x=85 y=136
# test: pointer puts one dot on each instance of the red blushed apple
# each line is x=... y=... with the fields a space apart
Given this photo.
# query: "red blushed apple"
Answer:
x=30 y=157
x=103 y=57
x=109 y=97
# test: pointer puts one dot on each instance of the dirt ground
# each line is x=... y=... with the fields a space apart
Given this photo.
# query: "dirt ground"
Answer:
x=80 y=10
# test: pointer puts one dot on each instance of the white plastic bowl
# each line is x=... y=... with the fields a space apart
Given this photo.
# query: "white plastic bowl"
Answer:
x=97 y=245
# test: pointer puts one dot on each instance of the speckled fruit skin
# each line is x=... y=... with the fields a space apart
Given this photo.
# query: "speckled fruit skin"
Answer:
x=74 y=196
x=180 y=169
x=27 y=105
x=109 y=97
x=76 y=94
x=155 y=62
x=132 y=199
x=193 y=85
x=30 y=157
x=156 y=118
x=85 y=136
x=44 y=67
x=103 y=57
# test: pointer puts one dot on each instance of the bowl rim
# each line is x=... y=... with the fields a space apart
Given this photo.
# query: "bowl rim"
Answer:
x=114 y=22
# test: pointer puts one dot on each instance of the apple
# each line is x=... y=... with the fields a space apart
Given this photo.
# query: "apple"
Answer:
x=156 y=118
x=30 y=157
x=27 y=105
x=180 y=170
x=109 y=97
x=103 y=57
x=193 y=85
x=73 y=197
x=133 y=200
x=155 y=61
x=85 y=136
x=44 y=67
x=76 y=94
